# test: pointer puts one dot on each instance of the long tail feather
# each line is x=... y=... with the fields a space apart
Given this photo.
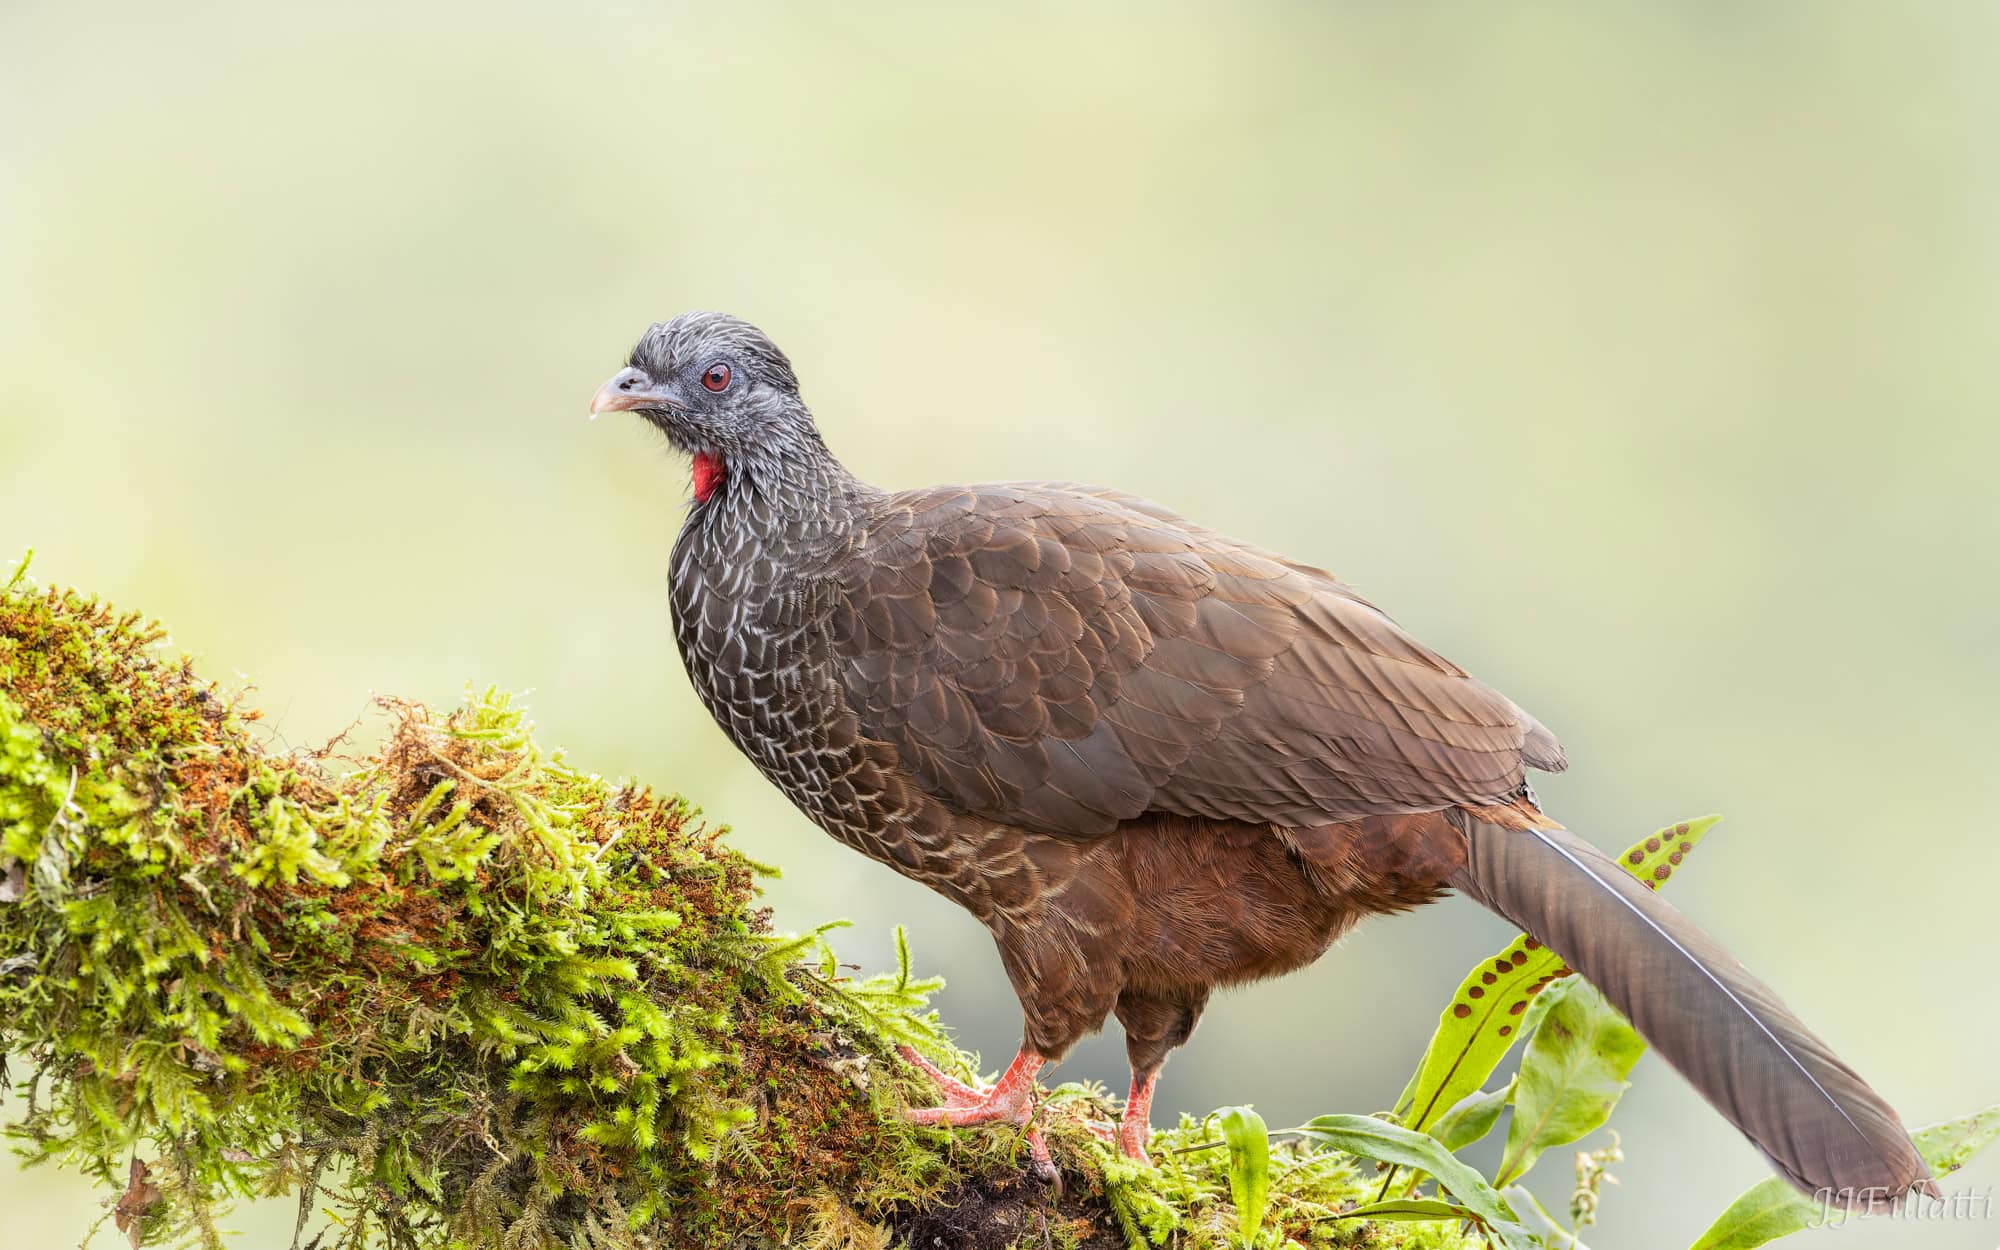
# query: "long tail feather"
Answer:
x=1818 y=1123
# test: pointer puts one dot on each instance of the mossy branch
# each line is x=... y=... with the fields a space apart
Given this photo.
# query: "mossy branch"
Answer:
x=460 y=993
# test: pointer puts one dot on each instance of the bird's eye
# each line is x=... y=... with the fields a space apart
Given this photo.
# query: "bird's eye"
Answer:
x=716 y=377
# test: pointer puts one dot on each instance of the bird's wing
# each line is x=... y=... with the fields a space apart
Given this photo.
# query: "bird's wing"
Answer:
x=1064 y=658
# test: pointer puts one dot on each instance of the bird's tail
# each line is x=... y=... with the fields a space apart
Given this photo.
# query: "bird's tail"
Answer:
x=1818 y=1123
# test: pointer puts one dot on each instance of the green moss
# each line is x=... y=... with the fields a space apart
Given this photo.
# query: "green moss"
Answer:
x=460 y=993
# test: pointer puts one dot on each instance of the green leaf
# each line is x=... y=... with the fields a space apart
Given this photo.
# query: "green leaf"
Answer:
x=1655 y=858
x=1376 y=1139
x=1572 y=1075
x=1481 y=1023
x=1766 y=1211
x=1411 y=1210
x=1554 y=1233
x=1249 y=1168
x=1771 y=1209
x=1949 y=1146
x=20 y=573
x=1531 y=1019
x=1471 y=1118
x=1476 y=1030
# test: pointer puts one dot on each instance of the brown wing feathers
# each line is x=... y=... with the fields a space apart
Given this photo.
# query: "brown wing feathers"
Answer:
x=1066 y=660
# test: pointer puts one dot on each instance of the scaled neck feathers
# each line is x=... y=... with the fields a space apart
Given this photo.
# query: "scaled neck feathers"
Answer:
x=785 y=492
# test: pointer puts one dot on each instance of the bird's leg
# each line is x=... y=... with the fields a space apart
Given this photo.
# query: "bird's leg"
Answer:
x=1011 y=1100
x=1155 y=1023
x=1135 y=1127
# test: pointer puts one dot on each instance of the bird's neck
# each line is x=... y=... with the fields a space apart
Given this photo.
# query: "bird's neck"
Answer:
x=790 y=495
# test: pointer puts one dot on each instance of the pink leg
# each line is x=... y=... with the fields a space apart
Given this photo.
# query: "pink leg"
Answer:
x=1136 y=1127
x=1011 y=1101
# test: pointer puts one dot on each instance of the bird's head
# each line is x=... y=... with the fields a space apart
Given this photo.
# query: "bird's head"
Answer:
x=718 y=388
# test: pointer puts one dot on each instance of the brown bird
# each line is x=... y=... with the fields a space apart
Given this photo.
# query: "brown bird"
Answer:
x=1154 y=760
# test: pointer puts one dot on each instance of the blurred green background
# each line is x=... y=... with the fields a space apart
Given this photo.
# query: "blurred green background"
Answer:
x=1639 y=357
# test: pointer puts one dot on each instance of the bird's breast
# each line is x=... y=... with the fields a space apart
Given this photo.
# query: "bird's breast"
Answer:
x=752 y=622
x=753 y=642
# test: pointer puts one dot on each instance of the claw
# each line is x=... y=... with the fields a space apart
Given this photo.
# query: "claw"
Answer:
x=1044 y=1165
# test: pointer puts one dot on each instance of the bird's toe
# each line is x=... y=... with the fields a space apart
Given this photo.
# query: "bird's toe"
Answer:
x=956 y=1093
x=992 y=1107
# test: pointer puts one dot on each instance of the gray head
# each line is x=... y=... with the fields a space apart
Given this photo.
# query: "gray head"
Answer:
x=718 y=388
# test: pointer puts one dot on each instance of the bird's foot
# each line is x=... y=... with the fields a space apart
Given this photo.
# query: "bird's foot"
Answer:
x=1132 y=1138
x=1010 y=1101
x=956 y=1092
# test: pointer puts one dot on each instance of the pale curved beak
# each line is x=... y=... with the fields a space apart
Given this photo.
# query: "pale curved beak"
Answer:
x=628 y=389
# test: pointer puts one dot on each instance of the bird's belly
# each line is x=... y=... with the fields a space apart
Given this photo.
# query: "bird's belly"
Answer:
x=1219 y=903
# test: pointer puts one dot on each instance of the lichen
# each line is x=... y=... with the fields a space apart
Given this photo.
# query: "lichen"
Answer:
x=460 y=993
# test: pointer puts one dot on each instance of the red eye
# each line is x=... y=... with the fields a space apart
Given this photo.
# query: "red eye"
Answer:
x=716 y=377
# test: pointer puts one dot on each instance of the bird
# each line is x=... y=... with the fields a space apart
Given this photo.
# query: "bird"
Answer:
x=1154 y=760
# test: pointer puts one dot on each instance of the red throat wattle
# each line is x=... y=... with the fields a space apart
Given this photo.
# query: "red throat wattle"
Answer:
x=708 y=474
